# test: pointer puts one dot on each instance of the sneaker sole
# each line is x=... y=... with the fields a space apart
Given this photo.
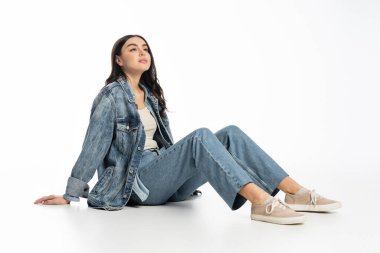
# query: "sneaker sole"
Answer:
x=277 y=220
x=317 y=208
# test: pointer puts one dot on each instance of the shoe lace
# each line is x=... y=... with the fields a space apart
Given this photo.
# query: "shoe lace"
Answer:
x=314 y=196
x=275 y=203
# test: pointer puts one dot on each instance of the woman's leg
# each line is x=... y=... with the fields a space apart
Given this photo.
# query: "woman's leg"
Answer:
x=249 y=191
x=268 y=175
x=254 y=194
x=200 y=157
x=263 y=170
x=197 y=158
x=259 y=166
x=288 y=185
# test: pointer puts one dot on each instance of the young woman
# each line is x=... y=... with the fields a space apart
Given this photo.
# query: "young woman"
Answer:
x=130 y=145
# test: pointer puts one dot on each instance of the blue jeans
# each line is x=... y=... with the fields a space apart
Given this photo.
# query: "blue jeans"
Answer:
x=228 y=160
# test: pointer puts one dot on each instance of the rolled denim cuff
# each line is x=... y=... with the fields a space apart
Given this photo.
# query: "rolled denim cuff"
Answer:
x=70 y=198
x=77 y=188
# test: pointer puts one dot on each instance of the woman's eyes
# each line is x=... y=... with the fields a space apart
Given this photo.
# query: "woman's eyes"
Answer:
x=146 y=49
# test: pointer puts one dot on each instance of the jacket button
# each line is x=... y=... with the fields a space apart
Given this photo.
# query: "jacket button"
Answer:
x=125 y=196
x=139 y=148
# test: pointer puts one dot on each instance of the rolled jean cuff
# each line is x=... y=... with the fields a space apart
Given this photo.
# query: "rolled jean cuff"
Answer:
x=70 y=198
x=77 y=188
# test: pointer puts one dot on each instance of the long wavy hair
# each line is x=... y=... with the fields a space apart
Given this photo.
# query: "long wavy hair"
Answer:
x=148 y=78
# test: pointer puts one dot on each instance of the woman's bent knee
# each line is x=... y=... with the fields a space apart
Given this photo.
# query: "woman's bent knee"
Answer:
x=229 y=129
x=203 y=131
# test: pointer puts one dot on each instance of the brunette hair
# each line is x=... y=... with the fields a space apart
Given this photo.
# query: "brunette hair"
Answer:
x=148 y=78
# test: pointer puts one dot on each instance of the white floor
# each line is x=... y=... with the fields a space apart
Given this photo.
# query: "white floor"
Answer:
x=201 y=224
x=300 y=77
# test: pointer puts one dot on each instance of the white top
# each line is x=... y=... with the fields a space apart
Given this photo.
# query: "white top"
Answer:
x=150 y=127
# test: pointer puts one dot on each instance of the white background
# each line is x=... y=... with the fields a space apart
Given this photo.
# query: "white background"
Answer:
x=300 y=77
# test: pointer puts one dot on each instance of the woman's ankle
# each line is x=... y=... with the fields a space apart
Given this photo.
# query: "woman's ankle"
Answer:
x=261 y=200
x=289 y=185
x=254 y=194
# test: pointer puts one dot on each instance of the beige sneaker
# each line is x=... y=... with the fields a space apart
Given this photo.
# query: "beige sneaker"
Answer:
x=310 y=201
x=275 y=211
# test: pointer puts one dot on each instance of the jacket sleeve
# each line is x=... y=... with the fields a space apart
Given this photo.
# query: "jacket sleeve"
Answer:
x=95 y=147
x=165 y=120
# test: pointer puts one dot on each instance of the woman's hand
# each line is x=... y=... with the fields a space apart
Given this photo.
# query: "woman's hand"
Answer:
x=52 y=200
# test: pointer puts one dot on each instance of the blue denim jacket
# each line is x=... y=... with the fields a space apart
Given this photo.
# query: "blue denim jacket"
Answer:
x=113 y=146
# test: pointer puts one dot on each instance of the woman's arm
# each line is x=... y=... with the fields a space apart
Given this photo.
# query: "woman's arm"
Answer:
x=95 y=147
x=165 y=120
x=97 y=141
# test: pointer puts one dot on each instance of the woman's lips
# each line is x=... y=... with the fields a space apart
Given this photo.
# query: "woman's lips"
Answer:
x=144 y=62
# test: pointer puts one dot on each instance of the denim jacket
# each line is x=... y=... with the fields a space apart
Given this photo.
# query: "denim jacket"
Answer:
x=113 y=146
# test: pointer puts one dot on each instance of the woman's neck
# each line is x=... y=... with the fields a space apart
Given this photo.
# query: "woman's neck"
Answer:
x=133 y=80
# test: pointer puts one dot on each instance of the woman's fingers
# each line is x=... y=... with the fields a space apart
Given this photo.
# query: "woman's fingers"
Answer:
x=41 y=199
x=46 y=200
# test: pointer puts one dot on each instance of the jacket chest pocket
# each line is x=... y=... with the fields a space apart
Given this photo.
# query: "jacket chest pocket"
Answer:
x=126 y=133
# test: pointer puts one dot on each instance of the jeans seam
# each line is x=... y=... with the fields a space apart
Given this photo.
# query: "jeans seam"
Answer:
x=257 y=177
x=223 y=169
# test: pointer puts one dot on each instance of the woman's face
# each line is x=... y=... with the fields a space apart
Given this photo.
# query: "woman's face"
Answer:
x=134 y=57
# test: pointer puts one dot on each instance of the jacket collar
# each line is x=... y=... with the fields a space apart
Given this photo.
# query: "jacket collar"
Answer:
x=128 y=90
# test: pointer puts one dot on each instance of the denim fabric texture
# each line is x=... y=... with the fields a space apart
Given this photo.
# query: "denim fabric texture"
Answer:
x=113 y=146
x=227 y=159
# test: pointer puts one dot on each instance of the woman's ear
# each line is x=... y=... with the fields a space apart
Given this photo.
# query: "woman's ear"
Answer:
x=118 y=61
